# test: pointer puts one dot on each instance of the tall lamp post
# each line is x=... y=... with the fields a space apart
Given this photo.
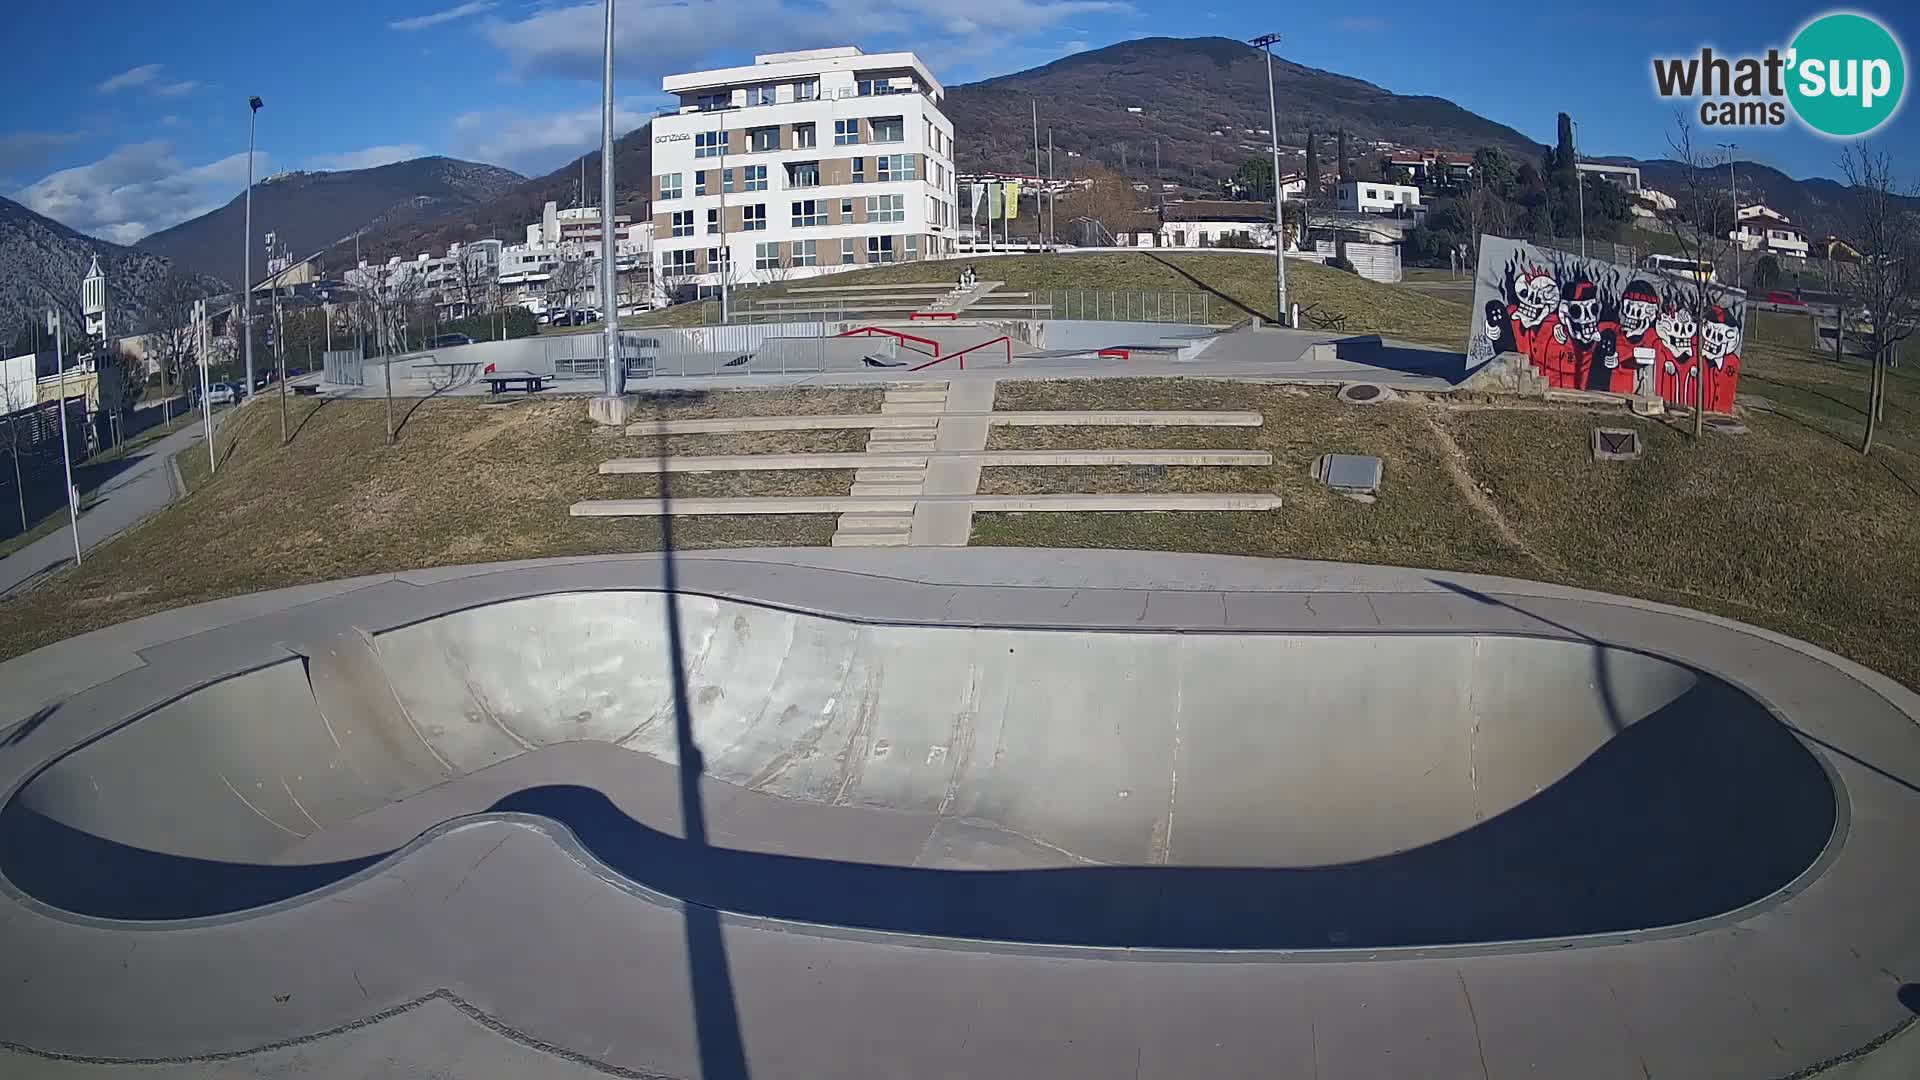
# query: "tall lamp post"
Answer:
x=614 y=406
x=1265 y=42
x=1733 y=192
x=246 y=286
x=1579 y=186
x=66 y=448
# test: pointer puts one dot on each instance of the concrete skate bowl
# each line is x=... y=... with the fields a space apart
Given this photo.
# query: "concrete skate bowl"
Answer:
x=1107 y=789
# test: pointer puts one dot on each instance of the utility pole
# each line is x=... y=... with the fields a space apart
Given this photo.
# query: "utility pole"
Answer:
x=726 y=256
x=1053 y=200
x=1733 y=192
x=616 y=370
x=1265 y=42
x=280 y=355
x=246 y=286
x=203 y=344
x=1579 y=185
x=66 y=448
x=1038 y=236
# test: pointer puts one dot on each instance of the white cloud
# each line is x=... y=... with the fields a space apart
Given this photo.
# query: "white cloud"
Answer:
x=137 y=189
x=421 y=22
x=176 y=89
x=371 y=157
x=27 y=149
x=1364 y=24
x=658 y=36
x=170 y=120
x=1074 y=46
x=534 y=143
x=132 y=77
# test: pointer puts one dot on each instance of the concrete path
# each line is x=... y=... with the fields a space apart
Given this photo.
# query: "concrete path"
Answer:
x=137 y=493
x=872 y=738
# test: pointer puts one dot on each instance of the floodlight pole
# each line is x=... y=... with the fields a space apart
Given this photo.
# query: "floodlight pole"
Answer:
x=1265 y=43
x=246 y=286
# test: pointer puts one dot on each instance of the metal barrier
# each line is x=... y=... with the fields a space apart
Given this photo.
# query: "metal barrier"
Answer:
x=343 y=367
x=669 y=352
x=1124 y=305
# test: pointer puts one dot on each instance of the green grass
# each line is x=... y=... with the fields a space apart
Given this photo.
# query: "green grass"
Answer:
x=1240 y=285
x=466 y=482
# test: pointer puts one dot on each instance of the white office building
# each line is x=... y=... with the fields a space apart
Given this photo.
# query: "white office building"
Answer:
x=803 y=163
x=1368 y=197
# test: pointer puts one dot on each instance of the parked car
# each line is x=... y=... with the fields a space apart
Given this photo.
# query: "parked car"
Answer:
x=221 y=394
x=575 y=317
x=1785 y=298
x=449 y=341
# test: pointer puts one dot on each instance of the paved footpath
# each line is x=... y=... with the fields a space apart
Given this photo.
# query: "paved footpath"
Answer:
x=137 y=493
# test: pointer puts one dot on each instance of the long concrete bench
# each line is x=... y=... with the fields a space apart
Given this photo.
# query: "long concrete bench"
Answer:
x=986 y=458
x=1048 y=418
x=903 y=504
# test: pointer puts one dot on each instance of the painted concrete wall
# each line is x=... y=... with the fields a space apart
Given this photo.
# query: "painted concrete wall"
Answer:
x=1591 y=325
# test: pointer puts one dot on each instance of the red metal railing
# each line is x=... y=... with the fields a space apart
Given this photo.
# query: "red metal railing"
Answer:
x=869 y=331
x=962 y=354
x=933 y=316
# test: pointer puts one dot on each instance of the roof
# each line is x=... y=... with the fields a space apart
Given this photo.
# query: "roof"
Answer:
x=1217 y=210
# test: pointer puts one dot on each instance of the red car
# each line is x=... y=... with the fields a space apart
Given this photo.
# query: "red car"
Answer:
x=1785 y=298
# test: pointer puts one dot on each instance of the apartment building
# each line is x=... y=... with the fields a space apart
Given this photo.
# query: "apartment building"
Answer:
x=802 y=163
x=1368 y=197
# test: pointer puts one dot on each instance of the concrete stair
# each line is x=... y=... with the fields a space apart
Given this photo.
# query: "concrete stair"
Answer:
x=869 y=529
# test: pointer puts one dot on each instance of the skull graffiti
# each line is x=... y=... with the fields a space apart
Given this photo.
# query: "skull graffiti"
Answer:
x=1676 y=329
x=1719 y=337
x=1537 y=297
x=1639 y=306
x=1581 y=312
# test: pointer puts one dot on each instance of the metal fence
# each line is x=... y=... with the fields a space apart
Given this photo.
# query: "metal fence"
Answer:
x=343 y=367
x=1123 y=305
x=730 y=349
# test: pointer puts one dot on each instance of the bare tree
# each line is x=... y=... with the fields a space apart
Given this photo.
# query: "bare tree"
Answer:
x=16 y=398
x=401 y=294
x=1693 y=210
x=472 y=280
x=172 y=337
x=1881 y=284
x=569 y=276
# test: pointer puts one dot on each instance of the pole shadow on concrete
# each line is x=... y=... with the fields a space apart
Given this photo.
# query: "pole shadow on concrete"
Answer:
x=1602 y=671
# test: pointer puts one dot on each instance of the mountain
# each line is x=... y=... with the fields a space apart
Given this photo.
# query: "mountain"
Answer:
x=1817 y=204
x=507 y=213
x=39 y=256
x=312 y=210
x=1186 y=90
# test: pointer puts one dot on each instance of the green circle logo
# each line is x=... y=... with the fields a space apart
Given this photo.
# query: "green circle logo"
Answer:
x=1847 y=75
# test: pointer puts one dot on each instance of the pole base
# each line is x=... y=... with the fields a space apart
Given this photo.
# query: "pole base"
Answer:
x=612 y=411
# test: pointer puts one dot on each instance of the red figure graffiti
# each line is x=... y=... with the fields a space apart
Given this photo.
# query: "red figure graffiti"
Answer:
x=1637 y=349
x=1674 y=379
x=1720 y=355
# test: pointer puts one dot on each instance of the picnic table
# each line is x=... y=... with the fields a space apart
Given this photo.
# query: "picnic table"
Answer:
x=499 y=381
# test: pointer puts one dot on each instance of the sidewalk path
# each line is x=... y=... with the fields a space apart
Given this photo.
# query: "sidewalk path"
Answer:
x=139 y=491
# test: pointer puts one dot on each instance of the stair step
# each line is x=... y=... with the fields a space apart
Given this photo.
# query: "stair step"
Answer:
x=912 y=408
x=873 y=539
x=890 y=476
x=901 y=397
x=881 y=491
x=875 y=522
x=896 y=436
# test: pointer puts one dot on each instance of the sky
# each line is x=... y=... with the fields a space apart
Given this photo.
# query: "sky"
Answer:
x=146 y=125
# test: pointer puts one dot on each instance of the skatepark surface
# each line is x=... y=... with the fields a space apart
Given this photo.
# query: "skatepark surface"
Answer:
x=852 y=813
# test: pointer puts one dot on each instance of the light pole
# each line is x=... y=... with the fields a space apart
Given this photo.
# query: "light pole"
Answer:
x=1733 y=192
x=66 y=448
x=1265 y=42
x=616 y=372
x=725 y=270
x=1579 y=185
x=246 y=286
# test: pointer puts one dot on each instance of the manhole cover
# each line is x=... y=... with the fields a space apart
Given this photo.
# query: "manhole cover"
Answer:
x=1615 y=444
x=1364 y=394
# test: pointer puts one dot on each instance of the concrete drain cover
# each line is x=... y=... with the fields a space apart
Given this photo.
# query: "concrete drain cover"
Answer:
x=1365 y=394
x=1351 y=474
x=1725 y=425
x=1616 y=444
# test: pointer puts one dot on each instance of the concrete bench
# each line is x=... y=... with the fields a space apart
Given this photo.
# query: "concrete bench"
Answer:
x=499 y=381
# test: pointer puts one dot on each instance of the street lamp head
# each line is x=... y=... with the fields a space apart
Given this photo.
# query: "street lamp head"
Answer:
x=1264 y=40
x=255 y=103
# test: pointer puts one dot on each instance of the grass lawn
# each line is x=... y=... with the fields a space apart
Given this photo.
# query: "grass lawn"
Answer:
x=466 y=482
x=1241 y=285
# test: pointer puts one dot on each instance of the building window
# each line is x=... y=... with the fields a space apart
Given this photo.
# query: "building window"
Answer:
x=889 y=129
x=670 y=186
x=880 y=249
x=754 y=218
x=803 y=136
x=847 y=250
x=679 y=262
x=846 y=210
x=886 y=208
x=683 y=223
x=806 y=252
x=713 y=222
x=710 y=102
x=710 y=143
x=753 y=178
x=761 y=140
x=719 y=259
x=846 y=132
x=895 y=167
x=726 y=180
x=700 y=182
x=913 y=247
x=870 y=87
x=859 y=170
x=766 y=256
x=803 y=174
x=809 y=212
x=760 y=95
x=808 y=90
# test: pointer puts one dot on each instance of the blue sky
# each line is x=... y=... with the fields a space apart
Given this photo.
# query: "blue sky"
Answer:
x=146 y=125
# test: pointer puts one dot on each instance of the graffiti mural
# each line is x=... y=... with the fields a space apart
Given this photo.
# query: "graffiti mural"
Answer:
x=1592 y=325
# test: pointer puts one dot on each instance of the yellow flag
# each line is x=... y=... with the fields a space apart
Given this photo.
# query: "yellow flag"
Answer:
x=1013 y=200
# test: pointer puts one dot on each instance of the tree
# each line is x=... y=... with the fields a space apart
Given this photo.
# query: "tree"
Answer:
x=569 y=276
x=400 y=296
x=1399 y=175
x=1256 y=177
x=1766 y=273
x=1882 y=284
x=1701 y=291
x=472 y=279
x=172 y=338
x=16 y=398
x=1493 y=170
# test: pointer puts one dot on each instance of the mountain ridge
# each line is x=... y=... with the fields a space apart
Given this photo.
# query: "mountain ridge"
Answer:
x=42 y=262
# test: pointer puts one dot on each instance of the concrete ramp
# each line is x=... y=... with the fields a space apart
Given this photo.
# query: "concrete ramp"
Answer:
x=1230 y=790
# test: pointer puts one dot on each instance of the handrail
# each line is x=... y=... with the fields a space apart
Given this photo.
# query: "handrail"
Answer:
x=962 y=354
x=869 y=331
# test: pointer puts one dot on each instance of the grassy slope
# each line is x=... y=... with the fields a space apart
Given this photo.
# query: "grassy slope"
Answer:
x=1241 y=285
